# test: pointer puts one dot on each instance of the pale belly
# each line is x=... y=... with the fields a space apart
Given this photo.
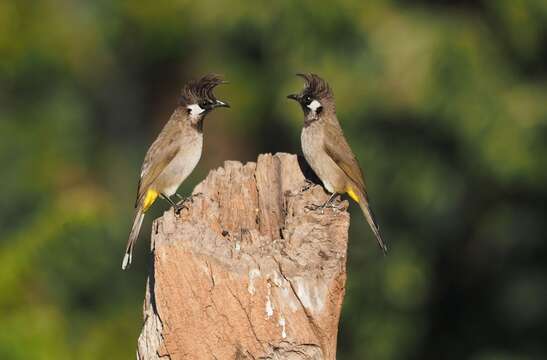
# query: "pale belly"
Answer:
x=319 y=161
x=179 y=169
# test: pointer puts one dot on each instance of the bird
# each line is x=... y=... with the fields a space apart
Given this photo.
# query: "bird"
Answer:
x=175 y=152
x=327 y=151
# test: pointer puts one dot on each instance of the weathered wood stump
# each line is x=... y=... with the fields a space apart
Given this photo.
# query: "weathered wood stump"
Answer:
x=247 y=271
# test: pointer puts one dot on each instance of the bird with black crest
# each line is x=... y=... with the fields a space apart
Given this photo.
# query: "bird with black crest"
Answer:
x=327 y=151
x=175 y=152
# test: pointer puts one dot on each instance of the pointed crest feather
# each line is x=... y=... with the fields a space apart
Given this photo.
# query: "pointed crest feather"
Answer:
x=315 y=86
x=201 y=89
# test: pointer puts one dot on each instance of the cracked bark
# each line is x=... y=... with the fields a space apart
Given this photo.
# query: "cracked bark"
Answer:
x=247 y=271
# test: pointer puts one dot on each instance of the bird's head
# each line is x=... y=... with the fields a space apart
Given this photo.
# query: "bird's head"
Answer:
x=198 y=98
x=315 y=99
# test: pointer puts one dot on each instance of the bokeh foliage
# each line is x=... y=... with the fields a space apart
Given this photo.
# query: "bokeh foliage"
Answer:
x=444 y=103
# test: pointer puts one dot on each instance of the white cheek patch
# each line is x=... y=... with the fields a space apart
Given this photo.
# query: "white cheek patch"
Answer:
x=195 y=110
x=314 y=105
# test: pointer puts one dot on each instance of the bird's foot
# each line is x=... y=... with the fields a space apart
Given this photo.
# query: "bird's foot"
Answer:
x=314 y=207
x=307 y=185
x=181 y=205
x=178 y=208
x=335 y=204
x=331 y=203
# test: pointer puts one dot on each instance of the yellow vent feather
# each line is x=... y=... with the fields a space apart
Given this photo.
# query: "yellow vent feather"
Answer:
x=352 y=194
x=151 y=196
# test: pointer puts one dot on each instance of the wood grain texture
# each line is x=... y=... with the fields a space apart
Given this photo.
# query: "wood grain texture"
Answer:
x=247 y=271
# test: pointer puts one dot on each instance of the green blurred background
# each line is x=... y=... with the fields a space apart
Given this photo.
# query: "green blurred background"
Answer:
x=444 y=103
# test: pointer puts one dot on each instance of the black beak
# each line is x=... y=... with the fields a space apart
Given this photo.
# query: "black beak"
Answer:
x=293 y=97
x=221 y=104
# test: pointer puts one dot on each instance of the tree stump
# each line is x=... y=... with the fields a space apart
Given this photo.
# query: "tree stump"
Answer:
x=248 y=270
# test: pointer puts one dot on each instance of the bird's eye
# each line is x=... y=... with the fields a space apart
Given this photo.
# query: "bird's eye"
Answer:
x=307 y=99
x=203 y=104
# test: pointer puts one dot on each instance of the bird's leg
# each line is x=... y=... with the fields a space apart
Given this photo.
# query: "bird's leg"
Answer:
x=329 y=201
x=176 y=207
x=180 y=206
x=168 y=199
x=324 y=205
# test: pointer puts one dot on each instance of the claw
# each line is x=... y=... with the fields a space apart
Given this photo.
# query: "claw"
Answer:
x=334 y=205
x=308 y=185
x=178 y=208
x=327 y=204
x=314 y=207
x=181 y=205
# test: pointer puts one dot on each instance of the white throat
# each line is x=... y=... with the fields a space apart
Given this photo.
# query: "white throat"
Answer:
x=195 y=110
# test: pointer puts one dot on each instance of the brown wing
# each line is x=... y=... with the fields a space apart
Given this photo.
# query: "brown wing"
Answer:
x=338 y=149
x=160 y=154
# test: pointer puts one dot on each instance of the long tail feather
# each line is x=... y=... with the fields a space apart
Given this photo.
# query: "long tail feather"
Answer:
x=369 y=215
x=137 y=223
